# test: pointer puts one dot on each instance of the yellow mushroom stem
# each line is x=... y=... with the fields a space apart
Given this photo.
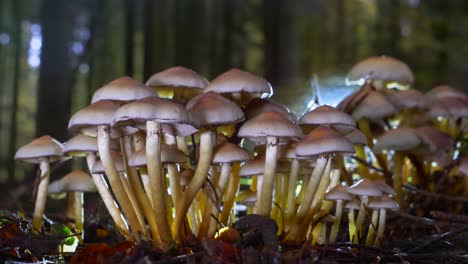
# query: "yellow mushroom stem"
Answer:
x=360 y=218
x=79 y=214
x=351 y=225
x=292 y=183
x=372 y=227
x=398 y=162
x=269 y=172
x=337 y=221
x=381 y=228
x=230 y=195
x=223 y=180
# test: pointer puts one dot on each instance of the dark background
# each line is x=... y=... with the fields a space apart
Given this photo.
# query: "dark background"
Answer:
x=55 y=53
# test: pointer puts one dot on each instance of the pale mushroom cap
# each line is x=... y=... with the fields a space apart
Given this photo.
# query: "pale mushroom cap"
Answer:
x=374 y=106
x=357 y=137
x=178 y=77
x=161 y=110
x=123 y=89
x=365 y=187
x=434 y=139
x=323 y=140
x=99 y=113
x=98 y=167
x=405 y=99
x=272 y=124
x=444 y=91
x=384 y=187
x=80 y=145
x=289 y=151
x=339 y=192
x=235 y=80
x=463 y=165
x=260 y=105
x=228 y=152
x=213 y=109
x=253 y=167
x=384 y=202
x=451 y=107
x=169 y=154
x=381 y=68
x=75 y=181
x=326 y=115
x=354 y=204
x=41 y=147
x=400 y=139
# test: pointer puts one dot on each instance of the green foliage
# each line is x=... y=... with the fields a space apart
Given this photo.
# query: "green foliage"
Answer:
x=63 y=230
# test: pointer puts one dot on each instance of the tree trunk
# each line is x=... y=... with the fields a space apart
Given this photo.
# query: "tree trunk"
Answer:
x=129 y=32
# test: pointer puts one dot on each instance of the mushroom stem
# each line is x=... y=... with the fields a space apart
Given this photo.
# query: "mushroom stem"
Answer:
x=138 y=189
x=115 y=182
x=173 y=173
x=311 y=188
x=199 y=177
x=264 y=205
x=208 y=210
x=362 y=169
x=360 y=218
x=108 y=199
x=41 y=195
x=381 y=228
x=398 y=160
x=372 y=227
x=337 y=221
x=291 y=203
x=223 y=179
x=157 y=179
x=78 y=208
x=352 y=225
x=182 y=145
x=230 y=196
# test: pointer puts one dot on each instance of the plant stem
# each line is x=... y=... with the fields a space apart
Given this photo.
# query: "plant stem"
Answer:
x=337 y=221
x=41 y=196
x=372 y=227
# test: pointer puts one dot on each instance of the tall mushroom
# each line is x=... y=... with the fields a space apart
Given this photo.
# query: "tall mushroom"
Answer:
x=42 y=150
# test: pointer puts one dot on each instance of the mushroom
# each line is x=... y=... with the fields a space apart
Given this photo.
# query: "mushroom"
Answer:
x=339 y=194
x=75 y=183
x=355 y=204
x=260 y=105
x=124 y=89
x=42 y=150
x=272 y=129
x=383 y=204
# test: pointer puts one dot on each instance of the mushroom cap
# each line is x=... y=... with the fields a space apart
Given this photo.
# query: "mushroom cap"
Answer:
x=339 y=192
x=434 y=139
x=98 y=167
x=228 y=152
x=169 y=154
x=463 y=165
x=327 y=115
x=405 y=99
x=247 y=197
x=41 y=147
x=260 y=105
x=444 y=91
x=79 y=145
x=95 y=114
x=186 y=176
x=213 y=109
x=252 y=167
x=178 y=77
x=272 y=124
x=381 y=68
x=323 y=140
x=383 y=202
x=75 y=181
x=399 y=139
x=161 y=110
x=374 y=106
x=123 y=89
x=384 y=187
x=354 y=204
x=365 y=187
x=236 y=80
x=357 y=137
x=451 y=107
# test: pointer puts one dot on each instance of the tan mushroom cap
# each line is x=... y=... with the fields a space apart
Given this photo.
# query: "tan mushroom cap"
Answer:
x=236 y=80
x=328 y=115
x=463 y=165
x=79 y=145
x=272 y=124
x=381 y=68
x=99 y=113
x=178 y=77
x=213 y=109
x=434 y=139
x=384 y=187
x=374 y=106
x=253 y=167
x=123 y=89
x=323 y=140
x=175 y=119
x=98 y=168
x=383 y=202
x=169 y=154
x=228 y=152
x=339 y=192
x=41 y=147
x=354 y=204
x=260 y=105
x=451 y=107
x=75 y=181
x=400 y=139
x=365 y=187
x=444 y=91
x=357 y=137
x=406 y=99
x=186 y=176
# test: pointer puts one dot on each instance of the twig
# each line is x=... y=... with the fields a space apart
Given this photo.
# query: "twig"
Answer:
x=368 y=164
x=438 y=239
x=449 y=216
x=426 y=220
x=413 y=189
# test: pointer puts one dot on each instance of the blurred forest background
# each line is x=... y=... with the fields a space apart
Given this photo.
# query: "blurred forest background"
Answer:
x=54 y=54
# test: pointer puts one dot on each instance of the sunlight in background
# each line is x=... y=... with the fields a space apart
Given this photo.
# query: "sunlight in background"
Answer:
x=4 y=39
x=35 y=45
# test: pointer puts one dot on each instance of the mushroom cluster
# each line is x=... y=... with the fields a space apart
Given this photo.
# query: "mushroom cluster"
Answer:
x=173 y=156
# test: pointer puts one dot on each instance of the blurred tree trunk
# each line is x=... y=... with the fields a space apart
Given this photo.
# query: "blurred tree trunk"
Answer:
x=17 y=38
x=388 y=29
x=55 y=87
x=129 y=33
x=440 y=31
x=279 y=42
